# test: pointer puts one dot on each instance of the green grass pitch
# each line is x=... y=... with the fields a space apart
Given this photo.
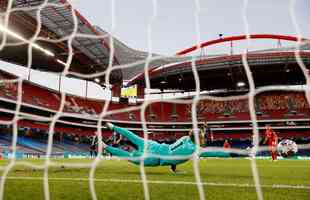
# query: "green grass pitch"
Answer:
x=222 y=179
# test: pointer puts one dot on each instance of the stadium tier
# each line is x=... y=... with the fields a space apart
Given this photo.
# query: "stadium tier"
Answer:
x=289 y=110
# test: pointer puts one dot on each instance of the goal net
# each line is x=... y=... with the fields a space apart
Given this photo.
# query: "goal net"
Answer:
x=234 y=84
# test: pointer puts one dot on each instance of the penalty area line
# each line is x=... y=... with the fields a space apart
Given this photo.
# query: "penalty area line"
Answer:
x=215 y=184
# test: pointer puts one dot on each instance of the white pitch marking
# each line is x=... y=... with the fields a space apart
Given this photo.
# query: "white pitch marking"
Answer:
x=217 y=184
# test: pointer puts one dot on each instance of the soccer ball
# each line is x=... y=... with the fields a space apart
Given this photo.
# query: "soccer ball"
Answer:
x=287 y=148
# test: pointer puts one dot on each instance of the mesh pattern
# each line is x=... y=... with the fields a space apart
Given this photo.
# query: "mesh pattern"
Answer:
x=79 y=35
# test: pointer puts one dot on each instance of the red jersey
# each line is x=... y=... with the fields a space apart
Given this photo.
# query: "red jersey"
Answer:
x=271 y=137
x=226 y=145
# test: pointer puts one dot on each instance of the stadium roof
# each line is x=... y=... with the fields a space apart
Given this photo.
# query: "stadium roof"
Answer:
x=226 y=71
x=91 y=53
x=91 y=46
x=134 y=60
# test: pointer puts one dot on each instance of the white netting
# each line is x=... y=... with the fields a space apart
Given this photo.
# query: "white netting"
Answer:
x=99 y=118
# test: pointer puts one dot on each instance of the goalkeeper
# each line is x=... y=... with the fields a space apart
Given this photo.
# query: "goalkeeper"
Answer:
x=182 y=149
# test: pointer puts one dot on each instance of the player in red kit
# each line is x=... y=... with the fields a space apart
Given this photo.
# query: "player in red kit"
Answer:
x=226 y=145
x=272 y=139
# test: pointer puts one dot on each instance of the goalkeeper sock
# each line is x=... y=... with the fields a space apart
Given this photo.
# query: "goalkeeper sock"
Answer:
x=109 y=125
x=104 y=145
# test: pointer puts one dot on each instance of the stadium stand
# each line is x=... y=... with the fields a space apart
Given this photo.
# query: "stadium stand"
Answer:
x=273 y=105
x=32 y=146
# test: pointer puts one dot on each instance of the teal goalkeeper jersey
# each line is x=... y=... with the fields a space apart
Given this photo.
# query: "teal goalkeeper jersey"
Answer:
x=156 y=153
x=179 y=152
x=164 y=154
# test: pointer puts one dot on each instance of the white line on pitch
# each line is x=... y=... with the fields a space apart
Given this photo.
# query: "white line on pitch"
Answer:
x=218 y=184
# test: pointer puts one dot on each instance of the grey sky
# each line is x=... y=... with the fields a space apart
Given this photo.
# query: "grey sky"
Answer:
x=174 y=26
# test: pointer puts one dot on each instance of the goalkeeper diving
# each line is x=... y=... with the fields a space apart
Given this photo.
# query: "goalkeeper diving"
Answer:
x=158 y=154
